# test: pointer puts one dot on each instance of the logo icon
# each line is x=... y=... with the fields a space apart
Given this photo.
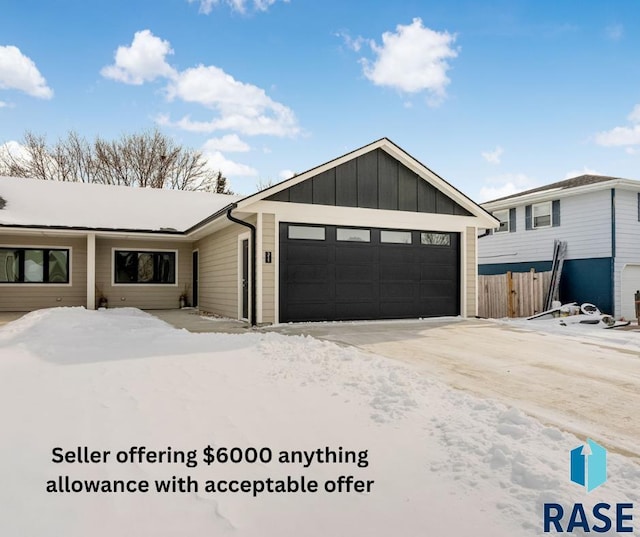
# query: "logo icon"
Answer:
x=589 y=465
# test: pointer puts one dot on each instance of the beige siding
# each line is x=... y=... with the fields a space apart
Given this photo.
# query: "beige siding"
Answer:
x=268 y=269
x=28 y=297
x=145 y=296
x=471 y=272
x=218 y=272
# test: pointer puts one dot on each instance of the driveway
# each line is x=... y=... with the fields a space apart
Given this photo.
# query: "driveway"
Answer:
x=586 y=386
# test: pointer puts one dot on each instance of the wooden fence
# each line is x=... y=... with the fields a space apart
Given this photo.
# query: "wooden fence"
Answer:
x=514 y=294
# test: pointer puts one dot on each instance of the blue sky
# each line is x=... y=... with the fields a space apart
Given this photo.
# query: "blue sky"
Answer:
x=493 y=96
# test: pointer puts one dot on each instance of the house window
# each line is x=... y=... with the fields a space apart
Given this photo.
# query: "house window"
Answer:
x=503 y=216
x=396 y=237
x=353 y=235
x=541 y=214
x=34 y=265
x=313 y=233
x=143 y=267
x=435 y=239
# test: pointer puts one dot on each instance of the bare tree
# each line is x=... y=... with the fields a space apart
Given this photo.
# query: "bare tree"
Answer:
x=149 y=159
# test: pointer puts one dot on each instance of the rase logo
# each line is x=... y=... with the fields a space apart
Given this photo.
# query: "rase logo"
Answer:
x=589 y=469
x=589 y=465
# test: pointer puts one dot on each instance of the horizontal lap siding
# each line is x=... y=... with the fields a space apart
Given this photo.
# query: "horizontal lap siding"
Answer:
x=142 y=296
x=218 y=271
x=627 y=243
x=585 y=223
x=268 y=269
x=471 y=271
x=17 y=297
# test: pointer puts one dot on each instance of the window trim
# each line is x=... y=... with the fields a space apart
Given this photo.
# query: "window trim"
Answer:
x=409 y=231
x=367 y=229
x=533 y=214
x=136 y=249
x=48 y=285
x=315 y=226
x=507 y=220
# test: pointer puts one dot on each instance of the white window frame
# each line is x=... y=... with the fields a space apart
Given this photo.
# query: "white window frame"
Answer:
x=546 y=204
x=136 y=249
x=499 y=216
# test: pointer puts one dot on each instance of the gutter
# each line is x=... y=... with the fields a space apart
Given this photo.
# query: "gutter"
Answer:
x=252 y=280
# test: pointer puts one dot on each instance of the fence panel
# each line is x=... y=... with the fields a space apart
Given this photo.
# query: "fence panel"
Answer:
x=514 y=294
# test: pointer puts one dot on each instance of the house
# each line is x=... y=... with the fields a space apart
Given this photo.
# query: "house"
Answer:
x=373 y=234
x=598 y=217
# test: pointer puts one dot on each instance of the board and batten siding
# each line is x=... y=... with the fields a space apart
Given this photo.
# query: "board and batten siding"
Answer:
x=218 y=272
x=627 y=245
x=144 y=296
x=471 y=272
x=29 y=297
x=269 y=273
x=585 y=223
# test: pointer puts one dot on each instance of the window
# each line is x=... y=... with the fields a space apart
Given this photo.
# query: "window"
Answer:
x=144 y=267
x=34 y=265
x=353 y=235
x=435 y=239
x=541 y=214
x=396 y=237
x=313 y=233
x=503 y=216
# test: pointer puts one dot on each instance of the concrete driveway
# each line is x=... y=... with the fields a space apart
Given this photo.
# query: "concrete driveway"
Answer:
x=586 y=387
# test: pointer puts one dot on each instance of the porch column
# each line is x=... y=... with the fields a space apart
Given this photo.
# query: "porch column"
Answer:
x=91 y=271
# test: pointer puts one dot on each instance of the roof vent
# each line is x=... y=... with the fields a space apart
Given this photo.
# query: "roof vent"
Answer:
x=2 y=202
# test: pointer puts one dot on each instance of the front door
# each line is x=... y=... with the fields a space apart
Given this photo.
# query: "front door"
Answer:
x=245 y=278
x=194 y=264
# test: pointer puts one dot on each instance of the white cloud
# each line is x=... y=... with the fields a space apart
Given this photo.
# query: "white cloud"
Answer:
x=353 y=43
x=143 y=61
x=3 y=104
x=229 y=142
x=493 y=156
x=18 y=71
x=14 y=149
x=505 y=185
x=241 y=107
x=206 y=6
x=577 y=173
x=412 y=60
x=217 y=161
x=614 y=31
x=619 y=136
x=631 y=151
x=286 y=174
x=634 y=116
x=622 y=135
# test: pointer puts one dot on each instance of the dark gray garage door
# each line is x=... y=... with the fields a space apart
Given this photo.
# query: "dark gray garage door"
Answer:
x=341 y=273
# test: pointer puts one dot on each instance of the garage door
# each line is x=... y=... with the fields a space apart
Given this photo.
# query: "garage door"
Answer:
x=343 y=273
x=630 y=284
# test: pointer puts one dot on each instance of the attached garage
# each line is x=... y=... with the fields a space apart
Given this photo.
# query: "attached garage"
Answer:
x=345 y=273
x=630 y=285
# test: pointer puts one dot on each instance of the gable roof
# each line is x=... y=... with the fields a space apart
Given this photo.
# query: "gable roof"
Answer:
x=60 y=205
x=396 y=152
x=574 y=182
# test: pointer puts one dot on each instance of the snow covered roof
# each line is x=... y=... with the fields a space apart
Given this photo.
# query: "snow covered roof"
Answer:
x=37 y=203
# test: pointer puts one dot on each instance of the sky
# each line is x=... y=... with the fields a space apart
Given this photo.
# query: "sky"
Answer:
x=495 y=97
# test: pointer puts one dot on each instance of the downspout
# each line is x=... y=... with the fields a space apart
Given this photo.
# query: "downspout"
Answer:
x=613 y=251
x=252 y=287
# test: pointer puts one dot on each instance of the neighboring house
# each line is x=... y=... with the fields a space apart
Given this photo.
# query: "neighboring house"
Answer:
x=598 y=217
x=373 y=234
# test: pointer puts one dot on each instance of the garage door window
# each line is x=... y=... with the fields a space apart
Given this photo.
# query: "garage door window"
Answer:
x=435 y=239
x=353 y=235
x=396 y=237
x=311 y=233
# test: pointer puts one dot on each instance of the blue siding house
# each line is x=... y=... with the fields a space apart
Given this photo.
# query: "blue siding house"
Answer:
x=598 y=217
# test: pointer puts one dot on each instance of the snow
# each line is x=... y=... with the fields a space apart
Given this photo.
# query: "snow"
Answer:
x=443 y=462
x=69 y=204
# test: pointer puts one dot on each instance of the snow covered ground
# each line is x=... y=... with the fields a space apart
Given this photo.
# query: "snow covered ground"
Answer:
x=442 y=462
